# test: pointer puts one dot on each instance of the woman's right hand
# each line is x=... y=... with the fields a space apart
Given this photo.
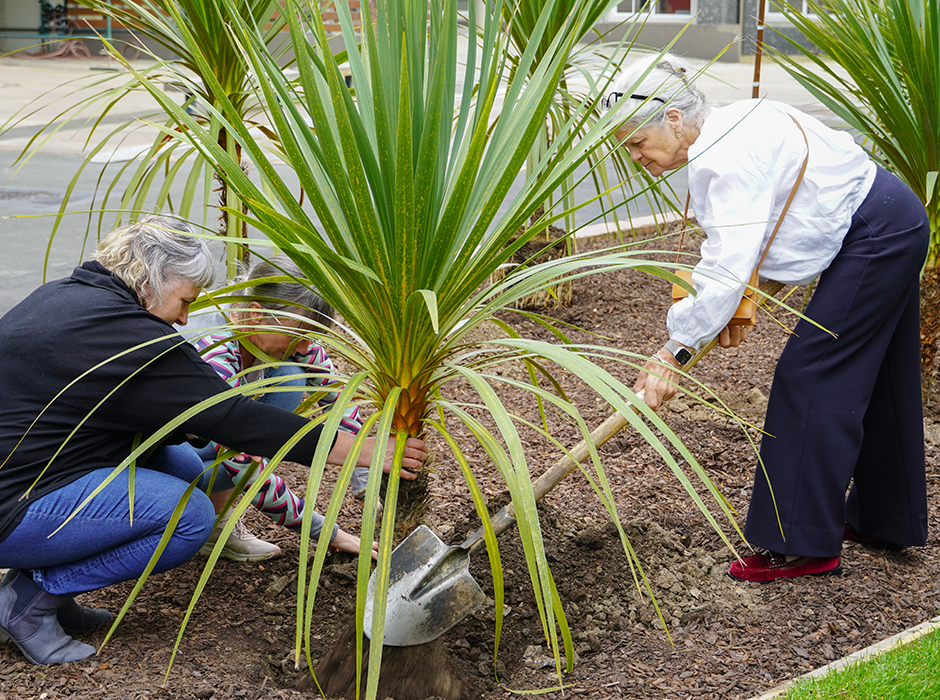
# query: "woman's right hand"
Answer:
x=658 y=381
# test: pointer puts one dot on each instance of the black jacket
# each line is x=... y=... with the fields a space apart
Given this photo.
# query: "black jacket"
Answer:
x=61 y=355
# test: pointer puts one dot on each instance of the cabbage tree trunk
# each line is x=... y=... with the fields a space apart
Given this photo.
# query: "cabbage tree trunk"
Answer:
x=930 y=327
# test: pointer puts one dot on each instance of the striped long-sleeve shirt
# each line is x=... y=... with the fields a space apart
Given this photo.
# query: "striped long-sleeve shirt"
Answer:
x=221 y=350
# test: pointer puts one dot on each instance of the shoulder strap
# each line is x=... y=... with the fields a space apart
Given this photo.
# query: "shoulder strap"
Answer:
x=685 y=223
x=786 y=207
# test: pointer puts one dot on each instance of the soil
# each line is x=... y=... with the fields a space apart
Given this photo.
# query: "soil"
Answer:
x=726 y=639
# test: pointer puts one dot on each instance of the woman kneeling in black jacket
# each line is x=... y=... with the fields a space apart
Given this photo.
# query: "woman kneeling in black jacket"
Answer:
x=87 y=364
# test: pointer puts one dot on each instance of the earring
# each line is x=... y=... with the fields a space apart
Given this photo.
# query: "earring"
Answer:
x=678 y=134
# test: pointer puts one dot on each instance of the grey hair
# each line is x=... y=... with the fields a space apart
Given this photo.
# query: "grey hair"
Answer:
x=292 y=297
x=155 y=251
x=655 y=83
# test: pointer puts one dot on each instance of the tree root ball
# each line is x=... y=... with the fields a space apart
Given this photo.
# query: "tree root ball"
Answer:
x=408 y=673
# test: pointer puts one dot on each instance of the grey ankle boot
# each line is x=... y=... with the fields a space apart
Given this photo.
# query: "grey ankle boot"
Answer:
x=28 y=619
x=76 y=618
x=71 y=615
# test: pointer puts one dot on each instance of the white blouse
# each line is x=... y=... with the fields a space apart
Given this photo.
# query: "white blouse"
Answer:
x=742 y=168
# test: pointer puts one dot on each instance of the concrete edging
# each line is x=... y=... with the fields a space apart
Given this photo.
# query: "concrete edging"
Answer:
x=898 y=640
x=639 y=225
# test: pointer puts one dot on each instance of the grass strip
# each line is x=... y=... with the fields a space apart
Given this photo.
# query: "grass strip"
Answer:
x=906 y=671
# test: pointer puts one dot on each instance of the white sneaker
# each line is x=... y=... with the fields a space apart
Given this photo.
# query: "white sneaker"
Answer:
x=241 y=545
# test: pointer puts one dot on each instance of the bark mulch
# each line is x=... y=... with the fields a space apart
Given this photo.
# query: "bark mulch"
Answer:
x=725 y=639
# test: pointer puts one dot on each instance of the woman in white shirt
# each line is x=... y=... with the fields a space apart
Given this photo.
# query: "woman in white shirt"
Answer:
x=845 y=410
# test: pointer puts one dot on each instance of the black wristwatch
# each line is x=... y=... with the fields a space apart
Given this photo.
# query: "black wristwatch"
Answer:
x=680 y=352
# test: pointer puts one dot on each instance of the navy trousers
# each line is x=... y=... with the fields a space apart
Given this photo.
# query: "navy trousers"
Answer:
x=845 y=413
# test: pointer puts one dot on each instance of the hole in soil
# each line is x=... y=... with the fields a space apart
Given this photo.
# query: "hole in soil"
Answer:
x=408 y=673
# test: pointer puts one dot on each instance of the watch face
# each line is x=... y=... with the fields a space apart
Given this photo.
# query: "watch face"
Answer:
x=683 y=356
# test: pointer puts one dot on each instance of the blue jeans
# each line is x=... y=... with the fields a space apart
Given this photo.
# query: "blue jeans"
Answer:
x=100 y=545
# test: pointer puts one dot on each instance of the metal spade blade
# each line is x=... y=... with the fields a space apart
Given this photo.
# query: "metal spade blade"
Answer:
x=430 y=590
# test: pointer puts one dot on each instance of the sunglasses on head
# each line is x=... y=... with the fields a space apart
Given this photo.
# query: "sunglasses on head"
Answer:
x=612 y=98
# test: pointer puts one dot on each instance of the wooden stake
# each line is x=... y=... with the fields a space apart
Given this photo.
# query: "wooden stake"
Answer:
x=755 y=93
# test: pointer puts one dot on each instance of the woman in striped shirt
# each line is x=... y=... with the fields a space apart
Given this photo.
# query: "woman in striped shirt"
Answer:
x=272 y=331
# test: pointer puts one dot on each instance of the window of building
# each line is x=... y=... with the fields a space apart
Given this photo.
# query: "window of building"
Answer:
x=659 y=7
x=803 y=5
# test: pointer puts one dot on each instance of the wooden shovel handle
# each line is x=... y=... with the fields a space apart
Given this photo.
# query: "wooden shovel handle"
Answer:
x=614 y=423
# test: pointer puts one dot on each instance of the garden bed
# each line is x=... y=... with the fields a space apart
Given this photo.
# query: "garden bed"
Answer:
x=729 y=640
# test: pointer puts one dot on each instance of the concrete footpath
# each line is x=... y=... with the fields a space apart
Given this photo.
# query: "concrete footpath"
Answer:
x=32 y=191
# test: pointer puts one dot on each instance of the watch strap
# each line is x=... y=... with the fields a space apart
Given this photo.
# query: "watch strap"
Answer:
x=681 y=353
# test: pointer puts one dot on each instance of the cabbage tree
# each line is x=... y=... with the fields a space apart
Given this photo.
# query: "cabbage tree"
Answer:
x=398 y=223
x=890 y=51
x=180 y=27
x=586 y=73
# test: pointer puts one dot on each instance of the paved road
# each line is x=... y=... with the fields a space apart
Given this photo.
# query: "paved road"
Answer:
x=31 y=193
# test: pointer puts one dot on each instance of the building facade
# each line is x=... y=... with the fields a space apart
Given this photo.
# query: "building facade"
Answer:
x=708 y=27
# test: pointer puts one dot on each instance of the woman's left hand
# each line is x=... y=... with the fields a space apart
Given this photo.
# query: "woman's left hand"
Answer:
x=658 y=380
x=733 y=336
x=412 y=460
x=346 y=542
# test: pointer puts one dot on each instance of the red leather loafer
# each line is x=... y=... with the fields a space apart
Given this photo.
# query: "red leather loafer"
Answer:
x=765 y=567
x=855 y=536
